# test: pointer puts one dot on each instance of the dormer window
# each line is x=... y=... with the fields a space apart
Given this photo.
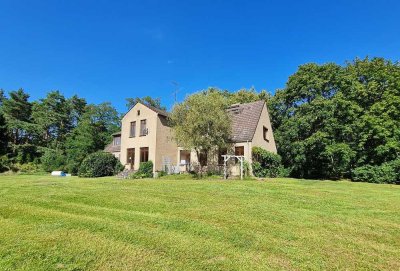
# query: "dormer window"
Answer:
x=265 y=133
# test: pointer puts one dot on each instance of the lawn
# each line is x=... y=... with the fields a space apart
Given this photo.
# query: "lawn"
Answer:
x=50 y=223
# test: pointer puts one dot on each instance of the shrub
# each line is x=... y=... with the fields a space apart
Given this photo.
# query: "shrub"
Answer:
x=161 y=173
x=338 y=157
x=99 y=164
x=145 y=171
x=388 y=172
x=26 y=153
x=5 y=163
x=246 y=169
x=53 y=160
x=28 y=168
x=265 y=163
x=118 y=167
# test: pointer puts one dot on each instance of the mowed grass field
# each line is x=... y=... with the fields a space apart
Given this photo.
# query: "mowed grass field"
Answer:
x=50 y=223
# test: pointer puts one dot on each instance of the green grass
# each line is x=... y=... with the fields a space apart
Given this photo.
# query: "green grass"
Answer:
x=282 y=224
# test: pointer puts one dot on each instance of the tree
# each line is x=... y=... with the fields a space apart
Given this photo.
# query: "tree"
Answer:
x=330 y=119
x=4 y=135
x=2 y=97
x=92 y=134
x=51 y=117
x=77 y=108
x=17 y=113
x=201 y=122
x=3 y=127
x=147 y=100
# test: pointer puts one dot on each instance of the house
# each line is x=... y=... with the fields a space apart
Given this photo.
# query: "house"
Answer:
x=146 y=135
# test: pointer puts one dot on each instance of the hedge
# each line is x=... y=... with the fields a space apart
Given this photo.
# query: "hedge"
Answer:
x=388 y=172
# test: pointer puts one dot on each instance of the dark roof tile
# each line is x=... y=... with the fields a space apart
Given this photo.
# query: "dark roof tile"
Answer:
x=245 y=118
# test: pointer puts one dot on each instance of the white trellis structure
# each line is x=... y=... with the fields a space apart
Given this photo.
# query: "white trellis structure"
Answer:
x=239 y=157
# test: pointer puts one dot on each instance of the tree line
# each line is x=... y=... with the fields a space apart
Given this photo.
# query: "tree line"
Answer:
x=56 y=130
x=330 y=121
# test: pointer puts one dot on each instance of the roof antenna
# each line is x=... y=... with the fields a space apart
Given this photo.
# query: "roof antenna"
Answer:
x=175 y=92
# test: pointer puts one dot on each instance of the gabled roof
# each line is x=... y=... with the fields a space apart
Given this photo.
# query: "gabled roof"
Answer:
x=245 y=118
x=155 y=109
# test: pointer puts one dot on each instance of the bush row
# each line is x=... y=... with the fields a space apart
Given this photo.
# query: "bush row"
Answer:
x=386 y=173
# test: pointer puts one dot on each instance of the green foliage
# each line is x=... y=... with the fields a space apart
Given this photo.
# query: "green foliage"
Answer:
x=265 y=163
x=147 y=100
x=330 y=119
x=93 y=133
x=27 y=168
x=246 y=169
x=99 y=164
x=17 y=113
x=53 y=160
x=201 y=122
x=339 y=157
x=56 y=123
x=388 y=172
x=161 y=173
x=52 y=120
x=5 y=163
x=4 y=138
x=145 y=171
x=25 y=153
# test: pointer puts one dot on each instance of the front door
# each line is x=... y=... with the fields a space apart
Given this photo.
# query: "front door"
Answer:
x=131 y=157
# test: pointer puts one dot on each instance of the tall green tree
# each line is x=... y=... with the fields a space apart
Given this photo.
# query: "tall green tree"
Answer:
x=330 y=119
x=77 y=108
x=17 y=113
x=92 y=133
x=2 y=97
x=3 y=127
x=3 y=135
x=201 y=122
x=52 y=119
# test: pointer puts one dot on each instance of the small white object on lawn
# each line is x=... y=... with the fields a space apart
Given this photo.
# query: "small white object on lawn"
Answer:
x=58 y=173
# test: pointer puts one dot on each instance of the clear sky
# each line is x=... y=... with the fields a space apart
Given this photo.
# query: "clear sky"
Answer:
x=110 y=50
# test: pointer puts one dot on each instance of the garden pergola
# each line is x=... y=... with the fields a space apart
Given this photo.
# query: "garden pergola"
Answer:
x=239 y=157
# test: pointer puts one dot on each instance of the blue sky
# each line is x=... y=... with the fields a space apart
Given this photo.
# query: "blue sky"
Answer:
x=110 y=50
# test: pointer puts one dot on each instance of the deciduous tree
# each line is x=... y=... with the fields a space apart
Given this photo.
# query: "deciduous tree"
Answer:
x=201 y=122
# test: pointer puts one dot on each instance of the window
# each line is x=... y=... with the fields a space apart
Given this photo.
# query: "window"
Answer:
x=130 y=156
x=203 y=159
x=132 y=132
x=220 y=158
x=265 y=133
x=239 y=150
x=143 y=128
x=144 y=154
x=117 y=141
x=184 y=157
x=138 y=112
